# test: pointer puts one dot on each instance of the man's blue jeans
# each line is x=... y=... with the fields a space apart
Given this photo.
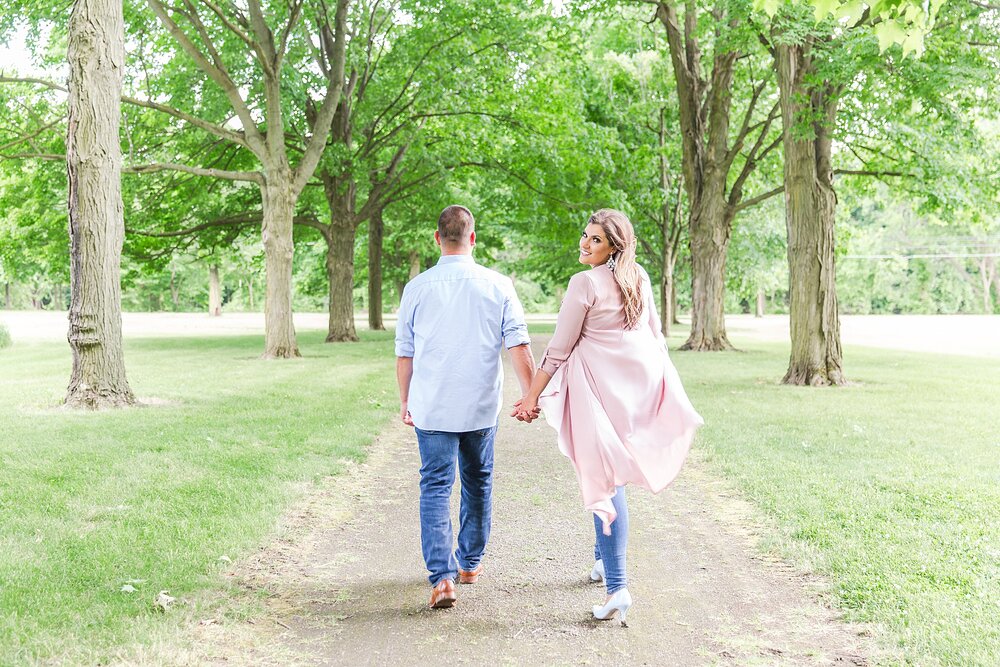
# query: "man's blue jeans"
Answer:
x=438 y=453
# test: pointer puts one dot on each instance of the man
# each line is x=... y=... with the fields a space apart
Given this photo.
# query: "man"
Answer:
x=452 y=322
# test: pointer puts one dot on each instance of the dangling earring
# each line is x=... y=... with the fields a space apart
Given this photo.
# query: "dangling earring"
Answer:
x=611 y=262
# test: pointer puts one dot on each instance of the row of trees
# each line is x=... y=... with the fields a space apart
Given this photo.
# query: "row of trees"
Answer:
x=300 y=118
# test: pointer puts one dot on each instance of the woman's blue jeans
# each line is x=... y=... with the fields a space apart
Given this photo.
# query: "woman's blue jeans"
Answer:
x=439 y=451
x=610 y=549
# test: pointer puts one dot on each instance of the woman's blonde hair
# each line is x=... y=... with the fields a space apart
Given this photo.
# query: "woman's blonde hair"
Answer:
x=620 y=234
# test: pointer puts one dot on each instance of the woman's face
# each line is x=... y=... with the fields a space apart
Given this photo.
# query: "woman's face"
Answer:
x=594 y=246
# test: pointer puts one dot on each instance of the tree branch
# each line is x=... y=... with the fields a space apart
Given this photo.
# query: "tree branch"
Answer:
x=238 y=220
x=321 y=128
x=522 y=180
x=42 y=82
x=745 y=126
x=211 y=128
x=286 y=32
x=409 y=79
x=753 y=201
x=35 y=156
x=29 y=137
x=869 y=172
x=233 y=28
x=249 y=176
x=221 y=78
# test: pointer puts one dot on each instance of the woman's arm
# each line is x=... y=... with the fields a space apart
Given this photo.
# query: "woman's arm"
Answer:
x=573 y=311
x=577 y=302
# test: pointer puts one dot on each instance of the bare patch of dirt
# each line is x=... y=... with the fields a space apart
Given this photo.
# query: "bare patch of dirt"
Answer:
x=345 y=582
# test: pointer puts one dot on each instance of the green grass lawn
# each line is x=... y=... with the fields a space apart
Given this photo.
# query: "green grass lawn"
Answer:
x=891 y=487
x=153 y=497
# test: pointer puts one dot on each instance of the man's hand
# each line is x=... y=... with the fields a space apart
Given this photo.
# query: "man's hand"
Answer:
x=404 y=373
x=404 y=414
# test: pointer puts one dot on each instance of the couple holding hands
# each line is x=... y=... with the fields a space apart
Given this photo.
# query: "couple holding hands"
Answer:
x=605 y=384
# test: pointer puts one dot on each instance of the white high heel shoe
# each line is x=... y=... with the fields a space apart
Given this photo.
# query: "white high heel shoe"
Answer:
x=619 y=602
x=597 y=574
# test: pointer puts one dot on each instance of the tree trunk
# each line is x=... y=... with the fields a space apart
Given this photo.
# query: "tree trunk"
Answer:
x=174 y=291
x=276 y=232
x=414 y=264
x=250 y=292
x=704 y=115
x=761 y=298
x=214 y=292
x=711 y=223
x=668 y=292
x=340 y=274
x=666 y=314
x=8 y=301
x=376 y=230
x=670 y=233
x=673 y=302
x=810 y=204
x=341 y=192
x=96 y=58
x=987 y=273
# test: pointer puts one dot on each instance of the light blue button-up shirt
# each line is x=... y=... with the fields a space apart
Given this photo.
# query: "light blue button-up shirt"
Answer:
x=452 y=320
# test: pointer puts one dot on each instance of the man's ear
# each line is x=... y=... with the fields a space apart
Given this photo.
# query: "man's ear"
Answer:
x=437 y=237
x=472 y=237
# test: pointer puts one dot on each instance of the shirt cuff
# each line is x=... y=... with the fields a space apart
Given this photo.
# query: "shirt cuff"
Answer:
x=548 y=364
x=516 y=338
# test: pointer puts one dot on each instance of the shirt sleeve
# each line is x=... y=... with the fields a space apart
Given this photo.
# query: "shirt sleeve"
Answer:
x=404 y=324
x=576 y=303
x=513 y=328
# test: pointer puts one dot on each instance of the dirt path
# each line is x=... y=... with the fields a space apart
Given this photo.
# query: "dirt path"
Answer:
x=346 y=582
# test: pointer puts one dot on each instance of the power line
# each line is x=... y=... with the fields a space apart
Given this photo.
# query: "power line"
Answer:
x=951 y=256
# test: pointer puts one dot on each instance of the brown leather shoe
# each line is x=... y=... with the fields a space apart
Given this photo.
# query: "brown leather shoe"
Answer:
x=470 y=577
x=443 y=595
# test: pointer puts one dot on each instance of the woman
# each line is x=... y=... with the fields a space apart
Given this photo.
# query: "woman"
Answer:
x=613 y=395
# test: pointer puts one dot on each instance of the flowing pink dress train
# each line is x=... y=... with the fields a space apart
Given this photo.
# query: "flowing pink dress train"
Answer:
x=615 y=398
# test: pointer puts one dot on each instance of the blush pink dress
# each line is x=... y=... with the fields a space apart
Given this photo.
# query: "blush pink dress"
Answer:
x=615 y=398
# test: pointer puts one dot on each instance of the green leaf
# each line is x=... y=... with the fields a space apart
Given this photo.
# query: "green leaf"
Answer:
x=914 y=42
x=851 y=11
x=769 y=7
x=889 y=33
x=824 y=8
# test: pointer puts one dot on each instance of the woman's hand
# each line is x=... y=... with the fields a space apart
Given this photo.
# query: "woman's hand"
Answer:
x=526 y=409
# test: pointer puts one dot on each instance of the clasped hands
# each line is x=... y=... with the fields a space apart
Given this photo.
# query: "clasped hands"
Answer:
x=526 y=410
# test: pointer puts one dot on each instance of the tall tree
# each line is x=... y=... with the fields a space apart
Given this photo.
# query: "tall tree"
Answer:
x=810 y=204
x=254 y=104
x=96 y=55
x=404 y=82
x=715 y=166
x=280 y=181
x=817 y=61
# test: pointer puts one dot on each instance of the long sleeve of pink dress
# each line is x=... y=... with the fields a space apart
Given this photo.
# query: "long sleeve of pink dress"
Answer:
x=615 y=398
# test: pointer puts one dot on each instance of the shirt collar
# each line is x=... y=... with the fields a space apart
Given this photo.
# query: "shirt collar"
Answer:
x=454 y=259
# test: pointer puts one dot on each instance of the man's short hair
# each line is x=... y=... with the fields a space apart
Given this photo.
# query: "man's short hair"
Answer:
x=454 y=224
